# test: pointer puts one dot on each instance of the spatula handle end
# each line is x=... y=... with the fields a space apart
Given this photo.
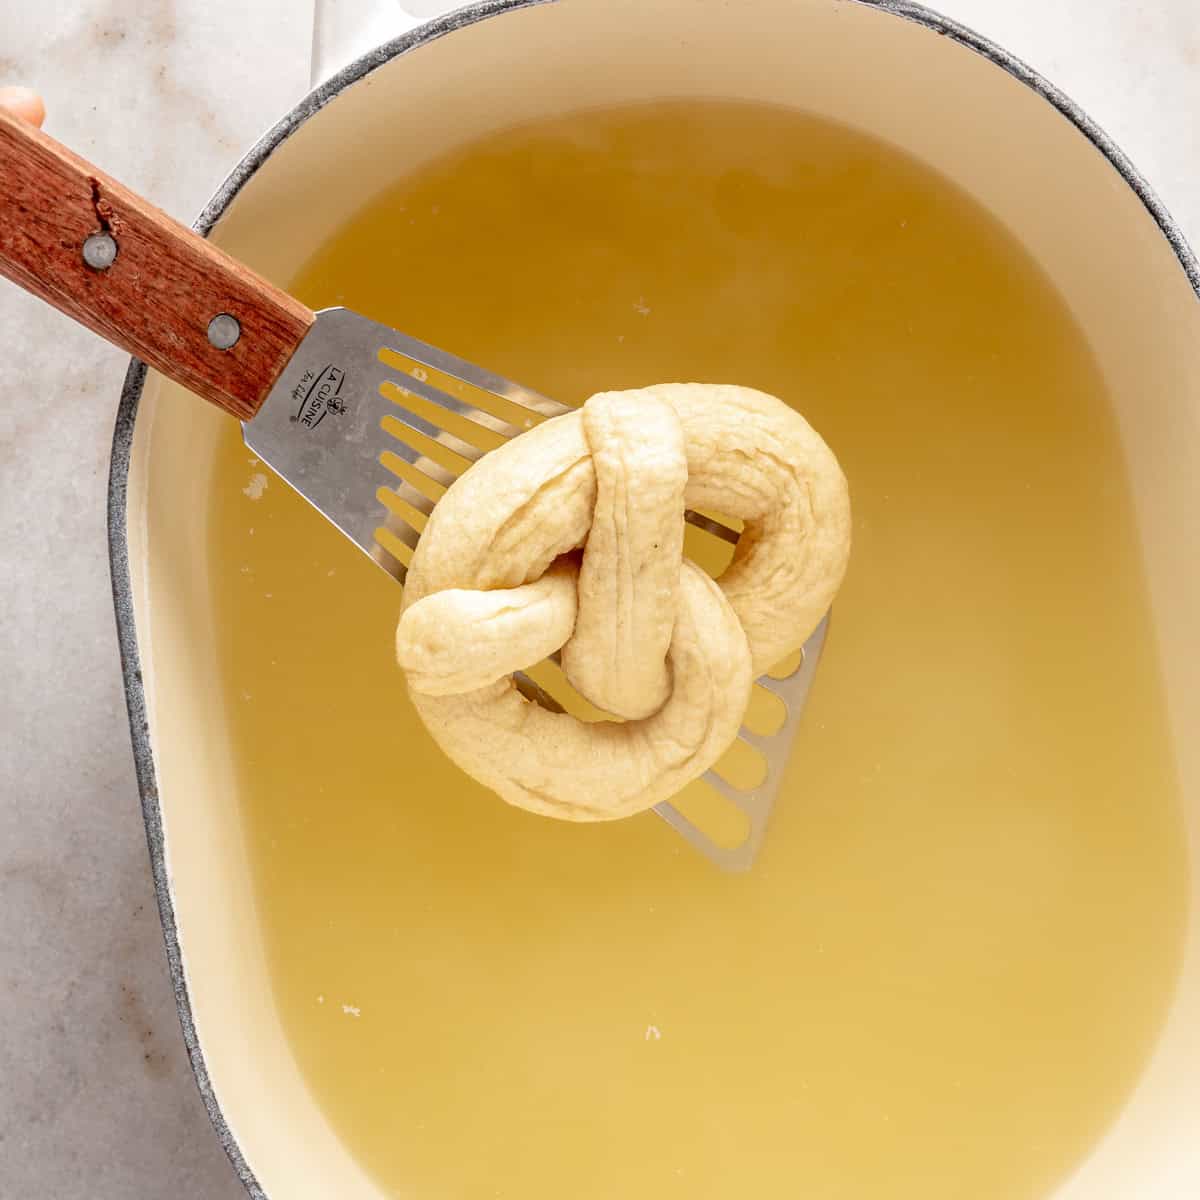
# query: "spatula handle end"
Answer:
x=117 y=264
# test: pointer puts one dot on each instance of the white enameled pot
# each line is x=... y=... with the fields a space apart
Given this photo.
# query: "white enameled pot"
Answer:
x=890 y=68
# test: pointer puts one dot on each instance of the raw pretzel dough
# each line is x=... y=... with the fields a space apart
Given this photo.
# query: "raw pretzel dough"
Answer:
x=645 y=634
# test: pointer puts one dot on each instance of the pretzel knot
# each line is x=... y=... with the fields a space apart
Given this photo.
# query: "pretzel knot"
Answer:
x=494 y=587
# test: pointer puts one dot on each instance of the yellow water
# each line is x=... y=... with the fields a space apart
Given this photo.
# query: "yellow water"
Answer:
x=947 y=969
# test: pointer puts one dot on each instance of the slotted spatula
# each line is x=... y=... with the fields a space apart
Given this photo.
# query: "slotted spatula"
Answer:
x=359 y=418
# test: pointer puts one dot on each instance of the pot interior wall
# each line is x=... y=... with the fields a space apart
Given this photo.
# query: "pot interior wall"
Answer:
x=888 y=76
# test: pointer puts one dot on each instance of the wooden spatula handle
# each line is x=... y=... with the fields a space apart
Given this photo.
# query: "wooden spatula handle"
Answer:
x=161 y=292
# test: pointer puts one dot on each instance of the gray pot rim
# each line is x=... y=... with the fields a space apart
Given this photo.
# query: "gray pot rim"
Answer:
x=118 y=546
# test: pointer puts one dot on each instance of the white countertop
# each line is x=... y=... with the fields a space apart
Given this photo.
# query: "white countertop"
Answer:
x=96 y=1097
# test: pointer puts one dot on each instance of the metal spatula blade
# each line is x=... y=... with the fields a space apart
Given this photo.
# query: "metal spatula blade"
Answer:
x=338 y=425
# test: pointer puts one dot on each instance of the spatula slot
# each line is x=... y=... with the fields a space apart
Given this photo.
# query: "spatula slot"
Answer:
x=416 y=446
x=394 y=562
x=742 y=766
x=476 y=429
x=707 y=817
x=419 y=481
x=765 y=712
x=411 y=517
x=457 y=395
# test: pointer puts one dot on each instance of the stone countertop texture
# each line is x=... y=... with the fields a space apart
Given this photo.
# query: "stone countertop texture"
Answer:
x=96 y=1097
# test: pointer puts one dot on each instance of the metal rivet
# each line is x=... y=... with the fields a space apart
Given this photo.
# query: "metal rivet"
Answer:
x=100 y=251
x=224 y=331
